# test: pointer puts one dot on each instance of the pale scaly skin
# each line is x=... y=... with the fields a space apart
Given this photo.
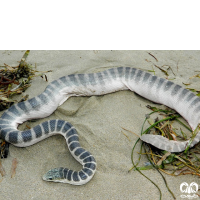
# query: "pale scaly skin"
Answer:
x=151 y=87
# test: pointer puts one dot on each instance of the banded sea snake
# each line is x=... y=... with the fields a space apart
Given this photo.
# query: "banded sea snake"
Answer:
x=156 y=89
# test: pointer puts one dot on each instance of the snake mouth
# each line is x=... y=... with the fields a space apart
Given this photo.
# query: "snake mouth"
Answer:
x=53 y=175
x=45 y=178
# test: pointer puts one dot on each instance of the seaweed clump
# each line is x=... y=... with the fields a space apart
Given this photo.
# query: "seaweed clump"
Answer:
x=15 y=80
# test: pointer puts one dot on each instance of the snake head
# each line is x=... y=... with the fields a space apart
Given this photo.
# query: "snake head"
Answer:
x=53 y=175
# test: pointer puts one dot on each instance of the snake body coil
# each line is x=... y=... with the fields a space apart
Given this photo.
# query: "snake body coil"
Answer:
x=151 y=87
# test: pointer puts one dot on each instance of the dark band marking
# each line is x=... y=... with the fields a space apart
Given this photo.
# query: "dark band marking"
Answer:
x=100 y=78
x=127 y=73
x=74 y=145
x=69 y=175
x=50 y=94
x=82 y=79
x=45 y=126
x=79 y=151
x=65 y=171
x=90 y=165
x=5 y=131
x=5 y=126
x=168 y=85
x=87 y=171
x=89 y=159
x=22 y=106
x=13 y=137
x=195 y=101
x=132 y=73
x=183 y=94
x=120 y=71
x=38 y=131
x=34 y=103
x=152 y=81
x=112 y=73
x=73 y=139
x=65 y=81
x=106 y=76
x=73 y=79
x=92 y=80
x=146 y=77
x=75 y=176
x=71 y=132
x=138 y=76
x=56 y=84
x=52 y=125
x=66 y=127
x=197 y=109
x=7 y=116
x=59 y=125
x=26 y=135
x=161 y=81
x=84 y=155
x=14 y=110
x=60 y=172
x=175 y=90
x=44 y=98
x=82 y=175
x=190 y=96
x=3 y=121
x=51 y=88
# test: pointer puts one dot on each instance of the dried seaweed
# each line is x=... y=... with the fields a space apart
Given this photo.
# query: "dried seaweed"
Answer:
x=174 y=164
x=161 y=68
x=197 y=92
x=15 y=80
x=4 y=149
x=153 y=56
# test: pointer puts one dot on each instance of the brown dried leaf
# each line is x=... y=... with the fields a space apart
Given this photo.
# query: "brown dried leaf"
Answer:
x=163 y=158
x=14 y=166
x=2 y=170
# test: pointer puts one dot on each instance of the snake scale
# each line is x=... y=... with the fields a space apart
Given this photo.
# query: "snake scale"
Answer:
x=156 y=89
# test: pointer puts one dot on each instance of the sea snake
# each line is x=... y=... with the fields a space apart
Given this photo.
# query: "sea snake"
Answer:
x=156 y=89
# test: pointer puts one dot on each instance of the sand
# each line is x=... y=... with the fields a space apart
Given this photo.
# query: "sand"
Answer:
x=99 y=121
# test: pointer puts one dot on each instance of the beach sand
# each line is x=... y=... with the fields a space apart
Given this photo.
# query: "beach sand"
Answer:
x=99 y=121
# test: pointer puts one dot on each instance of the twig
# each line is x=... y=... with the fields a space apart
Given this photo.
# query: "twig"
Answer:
x=153 y=56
